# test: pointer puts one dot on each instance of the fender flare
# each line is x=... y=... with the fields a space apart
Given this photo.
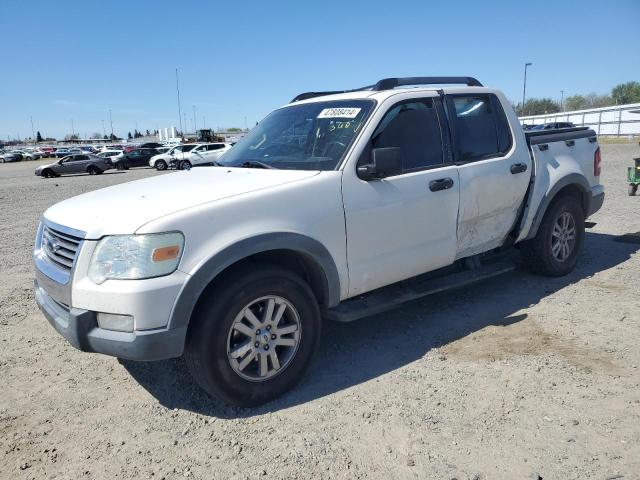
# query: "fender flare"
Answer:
x=211 y=268
x=571 y=179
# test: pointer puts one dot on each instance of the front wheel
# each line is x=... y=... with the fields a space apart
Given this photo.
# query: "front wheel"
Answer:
x=93 y=170
x=555 y=249
x=161 y=165
x=252 y=338
x=633 y=188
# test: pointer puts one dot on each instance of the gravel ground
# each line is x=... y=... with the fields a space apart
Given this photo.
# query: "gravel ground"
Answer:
x=520 y=377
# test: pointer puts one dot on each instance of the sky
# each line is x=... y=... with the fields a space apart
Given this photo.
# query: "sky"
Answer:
x=73 y=61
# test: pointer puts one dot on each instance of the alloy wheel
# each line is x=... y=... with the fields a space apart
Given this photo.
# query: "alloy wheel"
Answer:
x=563 y=237
x=264 y=338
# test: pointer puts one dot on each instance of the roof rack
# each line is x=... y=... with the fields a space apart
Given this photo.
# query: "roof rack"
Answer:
x=306 y=95
x=391 y=83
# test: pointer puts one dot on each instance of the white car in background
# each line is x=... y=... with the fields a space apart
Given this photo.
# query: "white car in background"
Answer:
x=109 y=155
x=204 y=154
x=163 y=160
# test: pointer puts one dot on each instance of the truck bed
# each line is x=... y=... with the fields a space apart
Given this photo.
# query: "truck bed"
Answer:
x=538 y=137
x=560 y=156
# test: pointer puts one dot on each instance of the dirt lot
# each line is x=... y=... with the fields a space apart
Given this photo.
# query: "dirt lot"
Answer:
x=520 y=377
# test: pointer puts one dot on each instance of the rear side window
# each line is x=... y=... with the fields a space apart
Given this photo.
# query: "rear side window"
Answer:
x=480 y=127
x=414 y=127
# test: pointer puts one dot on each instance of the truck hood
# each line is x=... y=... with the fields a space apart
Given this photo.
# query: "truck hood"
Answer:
x=124 y=208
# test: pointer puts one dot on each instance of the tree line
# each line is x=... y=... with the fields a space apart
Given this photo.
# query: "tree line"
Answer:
x=621 y=94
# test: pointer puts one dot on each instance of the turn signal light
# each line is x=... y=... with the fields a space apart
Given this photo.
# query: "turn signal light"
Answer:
x=166 y=253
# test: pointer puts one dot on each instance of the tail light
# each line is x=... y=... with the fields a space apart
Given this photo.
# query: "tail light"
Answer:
x=597 y=163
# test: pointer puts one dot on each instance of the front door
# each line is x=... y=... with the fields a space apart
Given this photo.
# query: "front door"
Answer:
x=404 y=225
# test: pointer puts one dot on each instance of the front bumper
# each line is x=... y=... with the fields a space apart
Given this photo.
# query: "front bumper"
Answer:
x=80 y=328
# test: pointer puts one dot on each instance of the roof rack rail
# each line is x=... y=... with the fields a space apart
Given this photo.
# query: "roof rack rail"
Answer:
x=390 y=83
x=306 y=95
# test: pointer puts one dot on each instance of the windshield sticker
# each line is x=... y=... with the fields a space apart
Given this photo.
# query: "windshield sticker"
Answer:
x=339 y=113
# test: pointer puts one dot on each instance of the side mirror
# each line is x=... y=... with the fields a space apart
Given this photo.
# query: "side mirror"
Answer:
x=385 y=162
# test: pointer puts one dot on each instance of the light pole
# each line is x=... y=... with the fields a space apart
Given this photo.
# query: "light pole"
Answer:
x=195 y=127
x=73 y=132
x=33 y=133
x=524 y=87
x=104 y=134
x=562 y=100
x=179 y=112
x=111 y=122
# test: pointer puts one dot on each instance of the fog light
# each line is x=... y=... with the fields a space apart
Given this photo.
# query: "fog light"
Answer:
x=113 y=321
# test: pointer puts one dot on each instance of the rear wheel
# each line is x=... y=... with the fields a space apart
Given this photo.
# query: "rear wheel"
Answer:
x=119 y=166
x=184 y=165
x=161 y=165
x=556 y=248
x=93 y=170
x=633 y=188
x=252 y=338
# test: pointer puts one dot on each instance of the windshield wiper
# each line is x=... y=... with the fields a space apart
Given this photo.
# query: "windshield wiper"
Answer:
x=256 y=164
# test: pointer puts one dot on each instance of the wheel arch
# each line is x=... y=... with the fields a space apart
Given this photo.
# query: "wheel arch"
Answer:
x=574 y=185
x=299 y=253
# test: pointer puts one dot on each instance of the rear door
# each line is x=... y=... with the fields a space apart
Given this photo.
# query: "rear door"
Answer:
x=494 y=175
x=404 y=225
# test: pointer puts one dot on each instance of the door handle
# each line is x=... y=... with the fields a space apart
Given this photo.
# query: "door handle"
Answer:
x=440 y=184
x=518 y=168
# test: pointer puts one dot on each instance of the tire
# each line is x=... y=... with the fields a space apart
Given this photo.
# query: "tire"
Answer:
x=212 y=335
x=184 y=165
x=633 y=188
x=47 y=173
x=119 y=166
x=92 y=170
x=161 y=165
x=555 y=251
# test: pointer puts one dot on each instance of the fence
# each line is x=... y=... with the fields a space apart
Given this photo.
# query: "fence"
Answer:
x=616 y=121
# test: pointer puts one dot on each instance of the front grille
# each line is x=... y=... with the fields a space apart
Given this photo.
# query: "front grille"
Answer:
x=60 y=248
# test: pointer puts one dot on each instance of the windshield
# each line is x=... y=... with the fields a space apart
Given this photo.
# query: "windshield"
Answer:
x=312 y=136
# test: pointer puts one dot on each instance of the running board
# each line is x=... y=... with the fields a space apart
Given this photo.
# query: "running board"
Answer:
x=389 y=297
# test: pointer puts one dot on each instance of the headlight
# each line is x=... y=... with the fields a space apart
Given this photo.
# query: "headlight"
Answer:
x=134 y=257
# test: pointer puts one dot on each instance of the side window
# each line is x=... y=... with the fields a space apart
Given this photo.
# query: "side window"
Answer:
x=480 y=126
x=414 y=127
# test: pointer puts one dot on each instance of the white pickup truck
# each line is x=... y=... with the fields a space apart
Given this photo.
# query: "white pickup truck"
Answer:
x=338 y=205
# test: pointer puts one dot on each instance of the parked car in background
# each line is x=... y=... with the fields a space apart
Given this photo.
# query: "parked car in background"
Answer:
x=135 y=158
x=151 y=145
x=552 y=126
x=61 y=152
x=47 y=151
x=163 y=160
x=79 y=163
x=109 y=155
x=202 y=154
x=28 y=155
x=6 y=157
